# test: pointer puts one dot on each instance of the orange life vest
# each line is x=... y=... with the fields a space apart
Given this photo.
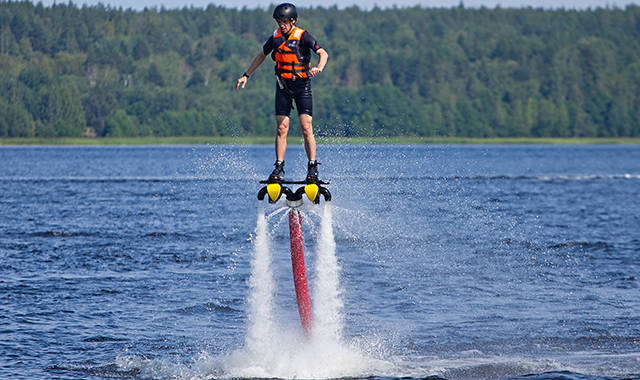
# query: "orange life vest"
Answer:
x=290 y=63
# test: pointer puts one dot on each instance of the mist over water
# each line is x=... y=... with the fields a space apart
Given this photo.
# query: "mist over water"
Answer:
x=464 y=262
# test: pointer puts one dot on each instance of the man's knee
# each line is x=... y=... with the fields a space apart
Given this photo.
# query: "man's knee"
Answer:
x=307 y=130
x=283 y=129
x=283 y=125
x=306 y=125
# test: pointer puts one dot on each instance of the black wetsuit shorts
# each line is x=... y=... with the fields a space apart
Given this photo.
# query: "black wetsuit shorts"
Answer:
x=298 y=90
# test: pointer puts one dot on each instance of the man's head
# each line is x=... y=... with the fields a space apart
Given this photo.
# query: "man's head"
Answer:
x=285 y=15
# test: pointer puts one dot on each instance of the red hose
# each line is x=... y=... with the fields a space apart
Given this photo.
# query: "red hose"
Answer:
x=299 y=272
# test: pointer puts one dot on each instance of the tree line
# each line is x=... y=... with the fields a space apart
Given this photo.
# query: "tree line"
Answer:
x=67 y=71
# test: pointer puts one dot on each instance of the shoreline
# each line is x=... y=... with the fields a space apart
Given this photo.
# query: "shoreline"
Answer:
x=260 y=140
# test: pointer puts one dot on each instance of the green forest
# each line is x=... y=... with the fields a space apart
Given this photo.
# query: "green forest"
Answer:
x=67 y=70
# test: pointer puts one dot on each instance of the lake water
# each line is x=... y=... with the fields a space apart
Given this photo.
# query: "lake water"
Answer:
x=457 y=262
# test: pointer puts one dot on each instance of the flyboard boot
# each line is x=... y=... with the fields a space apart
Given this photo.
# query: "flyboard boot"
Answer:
x=312 y=171
x=277 y=174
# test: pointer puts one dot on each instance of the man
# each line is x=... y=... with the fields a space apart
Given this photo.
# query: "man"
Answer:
x=290 y=47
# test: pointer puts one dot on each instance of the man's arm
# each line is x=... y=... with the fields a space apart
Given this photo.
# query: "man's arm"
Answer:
x=257 y=61
x=322 y=62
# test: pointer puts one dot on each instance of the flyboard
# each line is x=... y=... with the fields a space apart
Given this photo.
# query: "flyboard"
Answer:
x=313 y=190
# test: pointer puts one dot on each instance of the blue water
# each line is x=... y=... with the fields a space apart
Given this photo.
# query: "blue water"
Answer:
x=458 y=262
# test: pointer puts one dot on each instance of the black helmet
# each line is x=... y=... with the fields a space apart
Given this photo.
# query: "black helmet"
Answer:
x=285 y=11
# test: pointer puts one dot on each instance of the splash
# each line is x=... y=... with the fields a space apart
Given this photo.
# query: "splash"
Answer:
x=261 y=290
x=327 y=301
x=274 y=350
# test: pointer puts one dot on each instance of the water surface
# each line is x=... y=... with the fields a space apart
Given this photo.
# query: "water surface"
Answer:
x=462 y=262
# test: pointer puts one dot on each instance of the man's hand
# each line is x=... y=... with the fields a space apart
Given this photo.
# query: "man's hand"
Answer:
x=315 y=71
x=321 y=63
x=241 y=82
x=257 y=61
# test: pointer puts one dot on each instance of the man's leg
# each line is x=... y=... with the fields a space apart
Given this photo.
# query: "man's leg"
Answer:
x=307 y=132
x=281 y=136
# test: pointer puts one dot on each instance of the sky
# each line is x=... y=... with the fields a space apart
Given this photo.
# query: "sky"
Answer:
x=363 y=4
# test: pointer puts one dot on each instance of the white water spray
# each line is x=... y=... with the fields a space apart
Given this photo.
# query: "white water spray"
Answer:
x=327 y=302
x=278 y=349
x=261 y=289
